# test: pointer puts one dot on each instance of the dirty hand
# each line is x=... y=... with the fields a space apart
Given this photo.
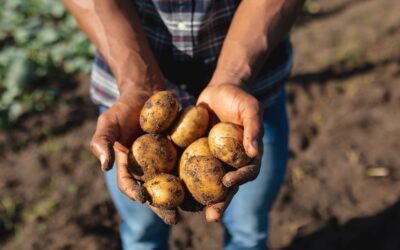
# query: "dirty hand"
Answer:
x=115 y=132
x=230 y=103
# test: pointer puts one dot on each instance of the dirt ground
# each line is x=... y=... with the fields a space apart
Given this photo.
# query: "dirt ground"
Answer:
x=342 y=189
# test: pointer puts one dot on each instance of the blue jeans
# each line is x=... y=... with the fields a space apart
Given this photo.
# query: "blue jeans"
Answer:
x=245 y=220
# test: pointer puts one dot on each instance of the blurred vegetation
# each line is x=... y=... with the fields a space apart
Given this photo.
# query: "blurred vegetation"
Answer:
x=40 y=44
x=10 y=209
x=311 y=7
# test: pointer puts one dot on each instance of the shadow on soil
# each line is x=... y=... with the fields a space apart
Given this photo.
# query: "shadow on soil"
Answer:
x=307 y=17
x=65 y=115
x=380 y=231
x=337 y=72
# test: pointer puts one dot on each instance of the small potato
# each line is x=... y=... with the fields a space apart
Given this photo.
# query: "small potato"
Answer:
x=226 y=143
x=159 y=112
x=202 y=176
x=151 y=155
x=191 y=125
x=197 y=148
x=165 y=191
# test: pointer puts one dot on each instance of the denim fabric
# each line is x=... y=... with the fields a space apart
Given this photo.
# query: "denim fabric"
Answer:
x=246 y=219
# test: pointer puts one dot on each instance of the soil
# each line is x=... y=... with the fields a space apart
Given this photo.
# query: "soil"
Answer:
x=342 y=189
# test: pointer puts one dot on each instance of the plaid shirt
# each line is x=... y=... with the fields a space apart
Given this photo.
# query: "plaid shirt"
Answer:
x=190 y=33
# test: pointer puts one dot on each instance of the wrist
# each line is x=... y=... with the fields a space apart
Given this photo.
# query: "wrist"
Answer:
x=147 y=83
x=141 y=88
x=227 y=83
x=219 y=87
x=137 y=71
x=232 y=72
x=136 y=94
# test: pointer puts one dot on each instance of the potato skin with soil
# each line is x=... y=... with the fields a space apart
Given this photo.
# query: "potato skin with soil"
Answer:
x=165 y=191
x=197 y=148
x=159 y=112
x=151 y=155
x=191 y=125
x=226 y=143
x=202 y=176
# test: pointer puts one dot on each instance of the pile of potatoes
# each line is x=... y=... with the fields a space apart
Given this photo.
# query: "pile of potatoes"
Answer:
x=175 y=159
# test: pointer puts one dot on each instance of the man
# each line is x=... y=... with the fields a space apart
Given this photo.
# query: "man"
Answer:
x=234 y=56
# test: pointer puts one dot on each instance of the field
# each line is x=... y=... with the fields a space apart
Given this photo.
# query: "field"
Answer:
x=342 y=189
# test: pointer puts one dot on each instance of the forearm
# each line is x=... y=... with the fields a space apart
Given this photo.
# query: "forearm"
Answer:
x=257 y=27
x=114 y=27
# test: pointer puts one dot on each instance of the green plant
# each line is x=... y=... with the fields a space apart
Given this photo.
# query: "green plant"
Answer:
x=39 y=44
x=311 y=7
x=9 y=213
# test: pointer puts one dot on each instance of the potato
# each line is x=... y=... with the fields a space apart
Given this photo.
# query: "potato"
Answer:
x=150 y=155
x=191 y=125
x=226 y=143
x=165 y=191
x=202 y=176
x=159 y=112
x=197 y=148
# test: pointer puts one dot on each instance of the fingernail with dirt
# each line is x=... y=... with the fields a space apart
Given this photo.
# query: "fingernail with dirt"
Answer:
x=212 y=219
x=218 y=210
x=227 y=182
x=102 y=161
x=254 y=144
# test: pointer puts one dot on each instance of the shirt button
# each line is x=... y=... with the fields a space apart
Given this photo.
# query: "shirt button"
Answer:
x=182 y=26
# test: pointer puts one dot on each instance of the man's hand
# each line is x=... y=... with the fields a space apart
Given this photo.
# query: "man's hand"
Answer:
x=116 y=30
x=257 y=27
x=230 y=103
x=116 y=130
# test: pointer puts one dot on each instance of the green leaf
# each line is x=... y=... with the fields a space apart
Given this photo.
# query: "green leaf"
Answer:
x=16 y=77
x=15 y=110
x=48 y=35
x=36 y=37
x=57 y=10
x=22 y=35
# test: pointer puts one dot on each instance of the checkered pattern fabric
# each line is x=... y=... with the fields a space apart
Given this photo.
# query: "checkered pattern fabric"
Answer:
x=181 y=31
